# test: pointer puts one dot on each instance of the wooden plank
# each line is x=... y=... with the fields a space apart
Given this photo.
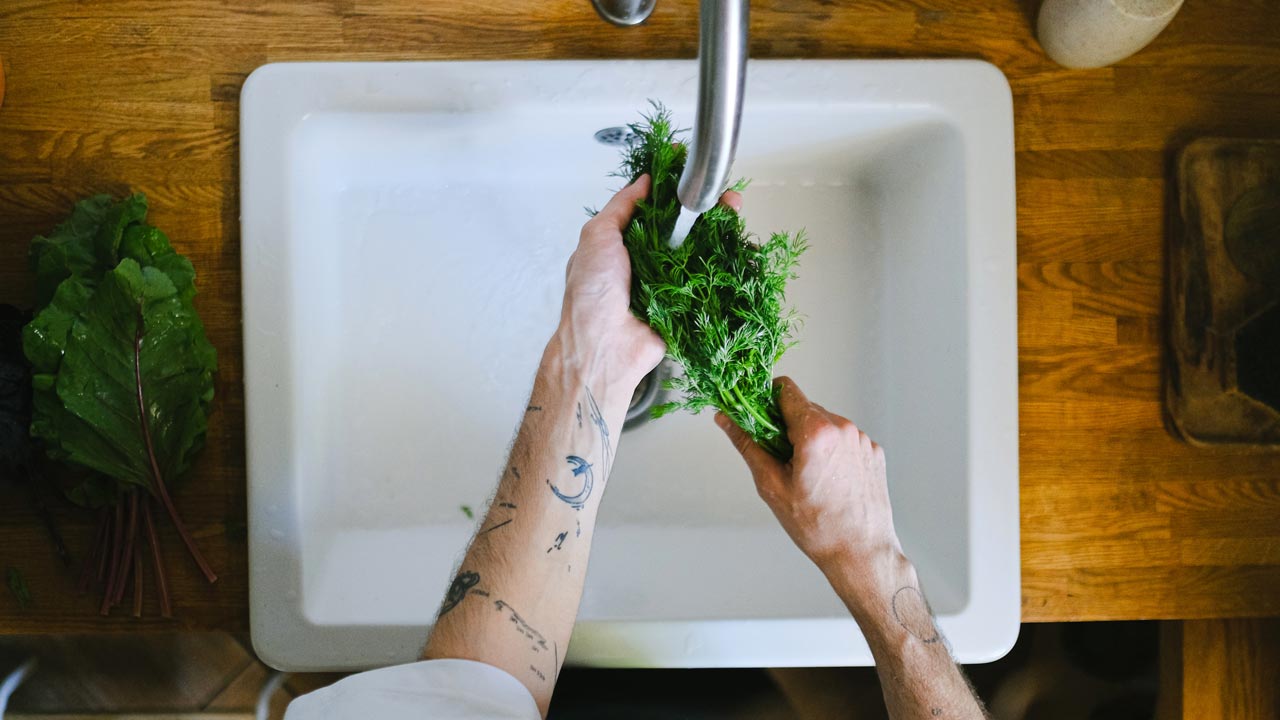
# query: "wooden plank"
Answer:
x=1090 y=220
x=1119 y=372
x=1229 y=669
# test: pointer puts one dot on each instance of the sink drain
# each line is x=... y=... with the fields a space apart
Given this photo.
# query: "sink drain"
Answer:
x=617 y=136
x=648 y=394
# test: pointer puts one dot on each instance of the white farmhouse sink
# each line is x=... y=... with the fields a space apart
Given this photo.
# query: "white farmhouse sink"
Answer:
x=405 y=229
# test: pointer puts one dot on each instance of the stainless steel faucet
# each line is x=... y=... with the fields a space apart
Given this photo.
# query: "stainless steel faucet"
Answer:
x=722 y=77
x=722 y=80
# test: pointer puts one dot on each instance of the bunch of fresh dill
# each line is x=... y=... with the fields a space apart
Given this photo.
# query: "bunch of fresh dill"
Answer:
x=716 y=300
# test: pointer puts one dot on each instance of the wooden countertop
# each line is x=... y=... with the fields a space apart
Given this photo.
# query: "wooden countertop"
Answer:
x=1119 y=520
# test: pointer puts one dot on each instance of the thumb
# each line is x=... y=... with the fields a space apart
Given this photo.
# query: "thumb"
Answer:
x=758 y=459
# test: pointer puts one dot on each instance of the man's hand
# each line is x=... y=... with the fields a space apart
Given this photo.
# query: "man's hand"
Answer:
x=832 y=497
x=596 y=323
x=833 y=500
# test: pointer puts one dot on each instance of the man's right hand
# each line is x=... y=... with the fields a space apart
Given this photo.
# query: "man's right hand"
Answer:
x=833 y=500
x=832 y=497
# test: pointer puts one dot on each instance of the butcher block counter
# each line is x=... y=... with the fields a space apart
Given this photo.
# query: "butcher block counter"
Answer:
x=1119 y=519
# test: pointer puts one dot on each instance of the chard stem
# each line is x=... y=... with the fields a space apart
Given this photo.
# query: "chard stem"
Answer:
x=162 y=585
x=160 y=488
x=116 y=544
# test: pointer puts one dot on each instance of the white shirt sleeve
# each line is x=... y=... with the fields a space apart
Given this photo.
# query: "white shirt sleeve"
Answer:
x=453 y=689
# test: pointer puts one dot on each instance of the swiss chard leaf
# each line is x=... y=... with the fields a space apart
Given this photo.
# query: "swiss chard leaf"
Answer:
x=122 y=381
x=116 y=340
x=133 y=381
x=85 y=245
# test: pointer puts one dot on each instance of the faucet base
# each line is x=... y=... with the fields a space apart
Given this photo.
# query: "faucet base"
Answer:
x=624 y=12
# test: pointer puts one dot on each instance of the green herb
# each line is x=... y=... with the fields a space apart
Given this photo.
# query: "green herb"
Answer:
x=18 y=587
x=717 y=299
x=122 y=378
x=466 y=510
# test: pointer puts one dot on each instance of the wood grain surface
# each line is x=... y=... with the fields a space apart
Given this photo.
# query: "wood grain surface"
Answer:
x=1119 y=520
x=1222 y=669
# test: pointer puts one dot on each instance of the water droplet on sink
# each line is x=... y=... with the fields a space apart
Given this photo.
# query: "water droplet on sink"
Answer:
x=692 y=645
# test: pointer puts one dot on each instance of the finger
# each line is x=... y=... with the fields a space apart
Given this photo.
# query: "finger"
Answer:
x=758 y=459
x=792 y=401
x=618 y=211
x=864 y=442
x=834 y=418
x=733 y=199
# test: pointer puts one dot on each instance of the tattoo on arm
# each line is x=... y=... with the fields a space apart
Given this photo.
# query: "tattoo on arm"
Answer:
x=558 y=541
x=912 y=612
x=537 y=642
x=597 y=419
x=494 y=527
x=458 y=590
x=504 y=523
x=581 y=468
x=533 y=408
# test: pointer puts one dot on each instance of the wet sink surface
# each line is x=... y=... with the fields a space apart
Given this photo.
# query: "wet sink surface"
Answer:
x=405 y=228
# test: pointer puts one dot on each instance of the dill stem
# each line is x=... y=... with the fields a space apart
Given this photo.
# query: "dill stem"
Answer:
x=753 y=411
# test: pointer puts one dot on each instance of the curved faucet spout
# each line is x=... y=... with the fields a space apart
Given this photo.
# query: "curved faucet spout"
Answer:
x=722 y=77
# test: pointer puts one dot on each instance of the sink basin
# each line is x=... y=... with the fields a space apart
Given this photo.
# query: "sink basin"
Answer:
x=405 y=229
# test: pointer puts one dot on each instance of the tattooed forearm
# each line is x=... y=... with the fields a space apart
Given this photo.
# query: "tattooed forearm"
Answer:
x=458 y=590
x=533 y=408
x=558 y=541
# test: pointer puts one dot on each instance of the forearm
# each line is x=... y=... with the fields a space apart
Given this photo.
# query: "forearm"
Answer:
x=515 y=598
x=917 y=674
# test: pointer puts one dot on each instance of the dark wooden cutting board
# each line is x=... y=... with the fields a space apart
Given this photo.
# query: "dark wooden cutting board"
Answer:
x=1222 y=370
